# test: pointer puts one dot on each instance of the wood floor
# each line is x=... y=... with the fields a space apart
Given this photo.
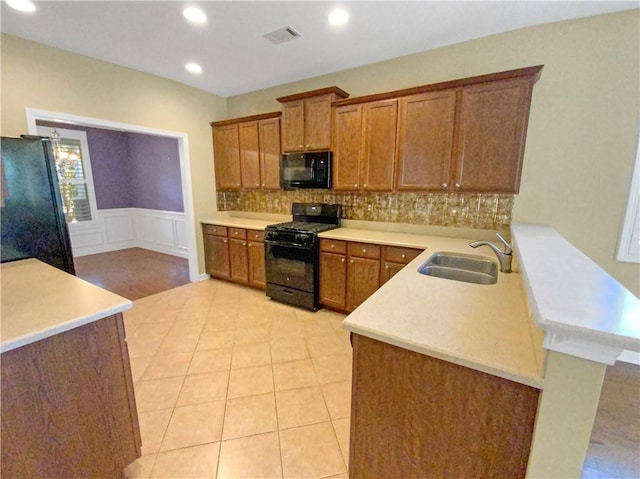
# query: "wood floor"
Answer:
x=614 y=450
x=133 y=273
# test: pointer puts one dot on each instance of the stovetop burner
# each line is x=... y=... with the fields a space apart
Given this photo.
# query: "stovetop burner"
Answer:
x=303 y=226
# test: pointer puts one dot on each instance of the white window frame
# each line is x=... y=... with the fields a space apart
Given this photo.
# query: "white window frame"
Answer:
x=628 y=245
x=80 y=136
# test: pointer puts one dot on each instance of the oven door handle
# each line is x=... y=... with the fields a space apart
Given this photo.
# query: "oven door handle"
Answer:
x=288 y=245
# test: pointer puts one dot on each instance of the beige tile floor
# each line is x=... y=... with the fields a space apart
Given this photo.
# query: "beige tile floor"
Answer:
x=230 y=384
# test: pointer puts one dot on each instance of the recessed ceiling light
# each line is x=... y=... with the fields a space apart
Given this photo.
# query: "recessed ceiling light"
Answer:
x=194 y=14
x=193 y=67
x=22 y=5
x=338 y=17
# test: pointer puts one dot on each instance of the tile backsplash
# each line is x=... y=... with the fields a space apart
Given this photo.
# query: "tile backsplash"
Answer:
x=483 y=211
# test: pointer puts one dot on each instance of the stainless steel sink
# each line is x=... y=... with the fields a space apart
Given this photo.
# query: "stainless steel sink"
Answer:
x=461 y=267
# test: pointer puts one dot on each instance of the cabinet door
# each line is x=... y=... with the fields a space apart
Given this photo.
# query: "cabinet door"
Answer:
x=363 y=280
x=269 y=134
x=317 y=122
x=293 y=126
x=389 y=270
x=217 y=256
x=249 y=154
x=238 y=260
x=425 y=141
x=347 y=147
x=257 y=277
x=333 y=280
x=493 y=123
x=226 y=156
x=380 y=124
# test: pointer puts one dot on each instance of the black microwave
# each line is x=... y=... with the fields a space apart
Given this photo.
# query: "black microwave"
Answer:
x=305 y=170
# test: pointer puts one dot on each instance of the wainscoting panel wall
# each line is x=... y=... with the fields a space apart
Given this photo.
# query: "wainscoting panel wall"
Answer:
x=120 y=228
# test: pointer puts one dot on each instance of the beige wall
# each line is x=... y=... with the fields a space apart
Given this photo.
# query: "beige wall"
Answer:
x=583 y=127
x=40 y=77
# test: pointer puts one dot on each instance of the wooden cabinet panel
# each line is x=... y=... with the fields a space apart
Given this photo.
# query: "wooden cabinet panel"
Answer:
x=333 y=246
x=249 y=154
x=68 y=406
x=347 y=147
x=425 y=141
x=293 y=126
x=389 y=270
x=255 y=251
x=217 y=256
x=394 y=259
x=363 y=279
x=333 y=280
x=226 y=152
x=237 y=233
x=239 y=261
x=269 y=134
x=317 y=122
x=365 y=250
x=409 y=405
x=380 y=121
x=493 y=125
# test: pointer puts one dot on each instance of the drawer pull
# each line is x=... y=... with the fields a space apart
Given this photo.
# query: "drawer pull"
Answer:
x=343 y=260
x=364 y=250
x=333 y=246
x=404 y=256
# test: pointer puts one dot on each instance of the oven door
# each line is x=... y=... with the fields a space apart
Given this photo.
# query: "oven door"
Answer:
x=291 y=266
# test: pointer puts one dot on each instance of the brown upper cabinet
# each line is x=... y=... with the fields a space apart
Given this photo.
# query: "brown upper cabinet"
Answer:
x=364 y=146
x=306 y=119
x=464 y=135
x=247 y=151
x=425 y=140
x=492 y=129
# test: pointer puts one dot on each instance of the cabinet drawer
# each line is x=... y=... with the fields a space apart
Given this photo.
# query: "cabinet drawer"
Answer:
x=333 y=246
x=400 y=255
x=255 y=235
x=237 y=233
x=364 y=250
x=216 y=230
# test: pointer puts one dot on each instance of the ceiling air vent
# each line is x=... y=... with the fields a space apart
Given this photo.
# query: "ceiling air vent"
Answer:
x=282 y=35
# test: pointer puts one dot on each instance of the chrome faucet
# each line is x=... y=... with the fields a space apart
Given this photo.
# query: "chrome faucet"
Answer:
x=503 y=256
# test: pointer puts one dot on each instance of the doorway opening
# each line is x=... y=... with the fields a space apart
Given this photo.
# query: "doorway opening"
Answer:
x=35 y=115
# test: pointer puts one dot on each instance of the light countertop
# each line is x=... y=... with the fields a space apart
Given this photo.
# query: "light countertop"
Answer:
x=485 y=327
x=556 y=299
x=39 y=301
x=583 y=310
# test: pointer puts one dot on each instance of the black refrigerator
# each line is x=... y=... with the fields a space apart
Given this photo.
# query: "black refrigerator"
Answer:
x=32 y=221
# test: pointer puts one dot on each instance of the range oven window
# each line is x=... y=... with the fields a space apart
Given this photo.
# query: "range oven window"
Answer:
x=291 y=266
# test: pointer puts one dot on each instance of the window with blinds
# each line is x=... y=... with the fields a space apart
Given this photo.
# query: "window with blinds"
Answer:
x=73 y=181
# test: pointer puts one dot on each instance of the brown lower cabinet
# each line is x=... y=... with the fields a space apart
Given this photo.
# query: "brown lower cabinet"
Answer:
x=235 y=254
x=414 y=416
x=350 y=272
x=68 y=406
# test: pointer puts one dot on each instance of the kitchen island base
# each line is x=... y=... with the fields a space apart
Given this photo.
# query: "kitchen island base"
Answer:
x=415 y=416
x=68 y=406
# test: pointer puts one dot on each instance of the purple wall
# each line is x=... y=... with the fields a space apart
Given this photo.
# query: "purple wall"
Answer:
x=155 y=173
x=132 y=170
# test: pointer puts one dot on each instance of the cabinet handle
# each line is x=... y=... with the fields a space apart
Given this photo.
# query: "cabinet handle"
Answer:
x=235 y=233
x=386 y=266
x=457 y=186
x=364 y=186
x=403 y=256
x=356 y=185
x=333 y=246
x=224 y=241
x=351 y=261
x=257 y=184
x=364 y=250
x=444 y=186
x=308 y=146
x=343 y=260
x=244 y=243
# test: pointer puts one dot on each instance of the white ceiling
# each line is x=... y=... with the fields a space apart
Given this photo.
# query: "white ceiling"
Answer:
x=154 y=37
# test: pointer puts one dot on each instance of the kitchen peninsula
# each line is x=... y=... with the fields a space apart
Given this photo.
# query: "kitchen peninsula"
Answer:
x=534 y=347
x=68 y=406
